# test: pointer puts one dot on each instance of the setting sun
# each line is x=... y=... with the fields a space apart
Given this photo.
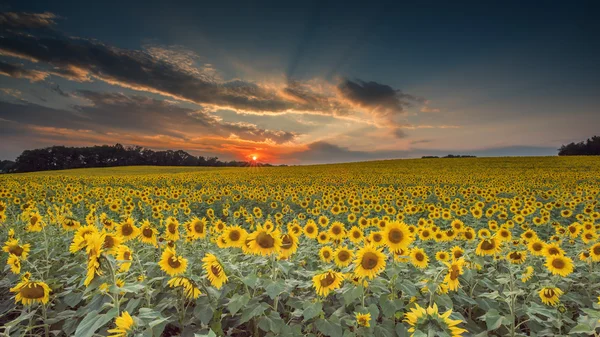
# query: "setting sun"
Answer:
x=254 y=158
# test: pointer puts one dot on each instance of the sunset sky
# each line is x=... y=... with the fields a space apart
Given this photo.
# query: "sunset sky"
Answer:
x=300 y=82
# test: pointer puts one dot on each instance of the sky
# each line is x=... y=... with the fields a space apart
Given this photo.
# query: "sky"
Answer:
x=300 y=82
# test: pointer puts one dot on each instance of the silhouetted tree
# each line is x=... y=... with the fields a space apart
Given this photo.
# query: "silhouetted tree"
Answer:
x=591 y=147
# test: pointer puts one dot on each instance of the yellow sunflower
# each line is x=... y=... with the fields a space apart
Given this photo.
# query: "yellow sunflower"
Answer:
x=327 y=282
x=172 y=264
x=234 y=236
x=419 y=258
x=12 y=246
x=127 y=230
x=455 y=269
x=595 y=252
x=516 y=257
x=337 y=231
x=323 y=238
x=363 y=319
x=550 y=296
x=430 y=321
x=123 y=256
x=30 y=292
x=343 y=256
x=214 y=270
x=289 y=245
x=489 y=246
x=111 y=243
x=559 y=265
x=189 y=287
x=124 y=325
x=527 y=275
x=369 y=262
x=326 y=254
x=196 y=228
x=264 y=242
x=171 y=229
x=148 y=234
x=310 y=230
x=396 y=235
x=536 y=247
x=356 y=235
x=14 y=263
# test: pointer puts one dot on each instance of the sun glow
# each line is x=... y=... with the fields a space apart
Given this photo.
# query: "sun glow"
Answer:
x=254 y=157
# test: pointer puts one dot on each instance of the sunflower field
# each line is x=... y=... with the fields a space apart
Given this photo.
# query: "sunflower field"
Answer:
x=425 y=247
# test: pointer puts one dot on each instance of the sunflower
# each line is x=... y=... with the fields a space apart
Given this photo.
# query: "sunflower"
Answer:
x=337 y=230
x=489 y=246
x=12 y=246
x=419 y=258
x=527 y=275
x=559 y=265
x=234 y=236
x=111 y=243
x=196 y=228
x=323 y=238
x=327 y=282
x=356 y=235
x=14 y=263
x=70 y=224
x=552 y=249
x=189 y=287
x=171 y=229
x=595 y=252
x=376 y=239
x=123 y=256
x=455 y=269
x=536 y=247
x=124 y=325
x=326 y=254
x=264 y=242
x=310 y=230
x=503 y=235
x=396 y=235
x=172 y=264
x=369 y=262
x=128 y=230
x=34 y=220
x=343 y=256
x=214 y=270
x=148 y=233
x=30 y=292
x=442 y=256
x=79 y=239
x=289 y=245
x=516 y=257
x=457 y=252
x=550 y=296
x=430 y=321
x=363 y=319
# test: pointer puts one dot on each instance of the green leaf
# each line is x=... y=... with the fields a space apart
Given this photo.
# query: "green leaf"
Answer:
x=273 y=289
x=203 y=310
x=352 y=294
x=210 y=333
x=236 y=302
x=492 y=319
x=407 y=287
x=250 y=280
x=328 y=328
x=401 y=330
x=582 y=328
x=252 y=312
x=272 y=323
x=384 y=329
x=92 y=322
x=312 y=310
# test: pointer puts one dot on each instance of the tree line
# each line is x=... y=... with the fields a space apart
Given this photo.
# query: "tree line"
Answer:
x=591 y=147
x=61 y=157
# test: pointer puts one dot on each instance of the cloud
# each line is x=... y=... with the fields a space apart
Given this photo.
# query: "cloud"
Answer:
x=27 y=20
x=428 y=109
x=116 y=112
x=17 y=71
x=56 y=88
x=380 y=99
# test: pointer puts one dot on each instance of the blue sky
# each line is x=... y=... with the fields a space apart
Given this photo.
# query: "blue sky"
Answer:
x=302 y=82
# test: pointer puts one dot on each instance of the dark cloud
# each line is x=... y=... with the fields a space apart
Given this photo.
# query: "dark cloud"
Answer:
x=381 y=99
x=56 y=88
x=17 y=71
x=115 y=112
x=27 y=20
x=324 y=152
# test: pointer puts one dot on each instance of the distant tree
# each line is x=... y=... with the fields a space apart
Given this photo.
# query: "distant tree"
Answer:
x=61 y=157
x=591 y=147
x=6 y=166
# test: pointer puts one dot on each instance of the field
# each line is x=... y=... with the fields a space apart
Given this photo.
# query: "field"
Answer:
x=426 y=247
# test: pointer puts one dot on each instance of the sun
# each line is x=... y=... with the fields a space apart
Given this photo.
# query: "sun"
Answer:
x=254 y=157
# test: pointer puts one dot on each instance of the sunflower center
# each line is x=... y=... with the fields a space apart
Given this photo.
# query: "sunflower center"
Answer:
x=454 y=273
x=126 y=230
x=147 y=232
x=488 y=245
x=265 y=240
x=549 y=293
x=109 y=242
x=336 y=230
x=356 y=234
x=286 y=242
x=16 y=250
x=199 y=227
x=215 y=271
x=395 y=236
x=327 y=280
x=558 y=263
x=32 y=291
x=537 y=246
x=174 y=262
x=369 y=260
x=596 y=250
x=419 y=257
x=343 y=256
x=34 y=219
x=171 y=228
x=553 y=251
x=234 y=235
x=310 y=230
x=515 y=255
x=457 y=254
x=326 y=254
x=377 y=237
